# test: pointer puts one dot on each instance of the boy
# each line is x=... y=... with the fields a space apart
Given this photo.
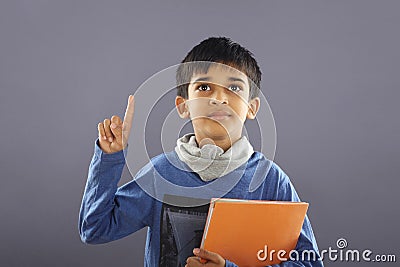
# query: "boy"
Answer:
x=218 y=96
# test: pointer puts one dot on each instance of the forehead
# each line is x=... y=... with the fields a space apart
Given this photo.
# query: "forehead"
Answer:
x=220 y=73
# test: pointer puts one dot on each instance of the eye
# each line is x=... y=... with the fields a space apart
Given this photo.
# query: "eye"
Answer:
x=235 y=88
x=204 y=87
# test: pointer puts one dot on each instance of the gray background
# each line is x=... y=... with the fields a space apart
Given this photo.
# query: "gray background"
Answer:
x=330 y=73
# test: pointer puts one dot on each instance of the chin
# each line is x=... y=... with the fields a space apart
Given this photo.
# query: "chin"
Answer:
x=213 y=129
x=217 y=132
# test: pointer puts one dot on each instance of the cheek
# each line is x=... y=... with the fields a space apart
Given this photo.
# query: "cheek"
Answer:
x=197 y=106
x=241 y=108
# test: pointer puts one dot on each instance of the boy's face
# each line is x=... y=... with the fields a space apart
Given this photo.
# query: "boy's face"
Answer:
x=218 y=103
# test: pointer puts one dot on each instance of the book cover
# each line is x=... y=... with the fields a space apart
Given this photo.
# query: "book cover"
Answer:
x=242 y=230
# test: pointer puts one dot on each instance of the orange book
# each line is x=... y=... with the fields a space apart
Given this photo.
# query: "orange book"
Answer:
x=247 y=231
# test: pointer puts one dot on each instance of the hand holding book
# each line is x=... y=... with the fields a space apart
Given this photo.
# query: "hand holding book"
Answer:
x=205 y=258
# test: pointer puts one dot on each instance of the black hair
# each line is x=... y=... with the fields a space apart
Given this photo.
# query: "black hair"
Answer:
x=220 y=50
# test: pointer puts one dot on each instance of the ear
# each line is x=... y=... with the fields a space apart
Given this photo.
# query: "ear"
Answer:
x=254 y=106
x=181 y=107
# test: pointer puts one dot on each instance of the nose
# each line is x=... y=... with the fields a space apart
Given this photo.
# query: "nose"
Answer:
x=219 y=97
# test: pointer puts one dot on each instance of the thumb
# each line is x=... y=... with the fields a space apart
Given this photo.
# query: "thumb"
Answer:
x=207 y=255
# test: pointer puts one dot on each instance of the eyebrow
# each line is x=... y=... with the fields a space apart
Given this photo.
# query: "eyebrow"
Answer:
x=231 y=79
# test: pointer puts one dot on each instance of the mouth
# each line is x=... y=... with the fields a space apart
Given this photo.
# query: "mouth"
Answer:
x=219 y=115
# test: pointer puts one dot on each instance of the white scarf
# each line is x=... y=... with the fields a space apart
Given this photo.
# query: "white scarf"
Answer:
x=211 y=161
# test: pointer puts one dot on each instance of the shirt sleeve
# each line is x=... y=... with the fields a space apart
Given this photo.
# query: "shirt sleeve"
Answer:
x=228 y=263
x=107 y=212
x=306 y=251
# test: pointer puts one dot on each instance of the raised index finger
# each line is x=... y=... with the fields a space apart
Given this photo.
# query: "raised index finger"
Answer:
x=127 y=123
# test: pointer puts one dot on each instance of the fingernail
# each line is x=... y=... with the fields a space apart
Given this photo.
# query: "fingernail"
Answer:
x=110 y=139
x=196 y=250
x=104 y=138
x=113 y=125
